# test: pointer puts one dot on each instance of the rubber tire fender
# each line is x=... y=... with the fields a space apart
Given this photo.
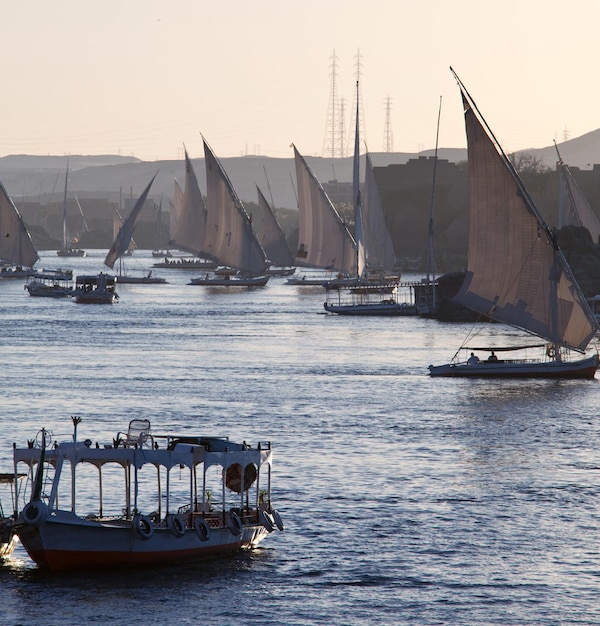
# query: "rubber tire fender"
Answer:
x=143 y=526
x=277 y=519
x=234 y=523
x=202 y=529
x=264 y=517
x=176 y=525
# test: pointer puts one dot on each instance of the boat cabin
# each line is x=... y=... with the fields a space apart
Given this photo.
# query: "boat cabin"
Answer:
x=96 y=281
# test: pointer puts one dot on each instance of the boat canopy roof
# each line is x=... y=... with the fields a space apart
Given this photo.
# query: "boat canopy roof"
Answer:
x=505 y=348
x=92 y=279
x=178 y=452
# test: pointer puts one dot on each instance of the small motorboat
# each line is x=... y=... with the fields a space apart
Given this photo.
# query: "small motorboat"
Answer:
x=148 y=279
x=230 y=280
x=51 y=284
x=16 y=272
x=73 y=252
x=95 y=289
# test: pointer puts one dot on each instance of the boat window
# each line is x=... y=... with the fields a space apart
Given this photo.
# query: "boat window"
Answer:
x=148 y=488
x=179 y=489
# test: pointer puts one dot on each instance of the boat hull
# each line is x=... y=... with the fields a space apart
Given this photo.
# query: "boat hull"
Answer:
x=381 y=309
x=141 y=280
x=46 y=291
x=583 y=368
x=61 y=544
x=258 y=281
x=280 y=271
x=71 y=252
x=311 y=282
x=96 y=298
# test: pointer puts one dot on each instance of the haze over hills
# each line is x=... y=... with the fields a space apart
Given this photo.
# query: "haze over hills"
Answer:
x=38 y=178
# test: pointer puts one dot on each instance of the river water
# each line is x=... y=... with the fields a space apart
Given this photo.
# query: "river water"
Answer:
x=406 y=499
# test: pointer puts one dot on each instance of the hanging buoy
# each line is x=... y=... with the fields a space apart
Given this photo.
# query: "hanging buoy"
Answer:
x=35 y=512
x=233 y=477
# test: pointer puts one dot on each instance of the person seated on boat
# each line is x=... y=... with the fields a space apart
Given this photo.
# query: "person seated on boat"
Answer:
x=492 y=358
x=473 y=359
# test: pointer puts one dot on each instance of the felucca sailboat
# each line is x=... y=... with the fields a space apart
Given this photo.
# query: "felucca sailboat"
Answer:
x=516 y=273
x=230 y=238
x=324 y=241
x=123 y=240
x=272 y=238
x=373 y=252
x=16 y=246
x=573 y=207
x=67 y=248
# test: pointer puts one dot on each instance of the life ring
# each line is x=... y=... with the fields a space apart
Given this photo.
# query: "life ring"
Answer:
x=234 y=523
x=175 y=525
x=233 y=477
x=143 y=526
x=277 y=519
x=202 y=529
x=35 y=512
x=266 y=520
x=551 y=352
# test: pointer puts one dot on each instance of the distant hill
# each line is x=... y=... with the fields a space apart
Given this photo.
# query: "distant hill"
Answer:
x=76 y=162
x=40 y=177
x=582 y=152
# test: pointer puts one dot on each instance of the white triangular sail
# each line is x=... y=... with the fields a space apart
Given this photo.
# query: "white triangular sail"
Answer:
x=83 y=220
x=176 y=209
x=16 y=246
x=117 y=224
x=323 y=239
x=230 y=237
x=123 y=238
x=380 y=249
x=158 y=224
x=270 y=234
x=515 y=274
x=573 y=207
x=191 y=214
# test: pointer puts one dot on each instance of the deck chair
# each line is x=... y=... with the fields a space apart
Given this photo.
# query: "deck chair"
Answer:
x=138 y=434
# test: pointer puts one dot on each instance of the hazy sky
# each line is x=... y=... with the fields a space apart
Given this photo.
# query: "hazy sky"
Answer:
x=142 y=77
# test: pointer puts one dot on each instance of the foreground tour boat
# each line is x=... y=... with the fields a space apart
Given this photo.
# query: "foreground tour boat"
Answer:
x=143 y=499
